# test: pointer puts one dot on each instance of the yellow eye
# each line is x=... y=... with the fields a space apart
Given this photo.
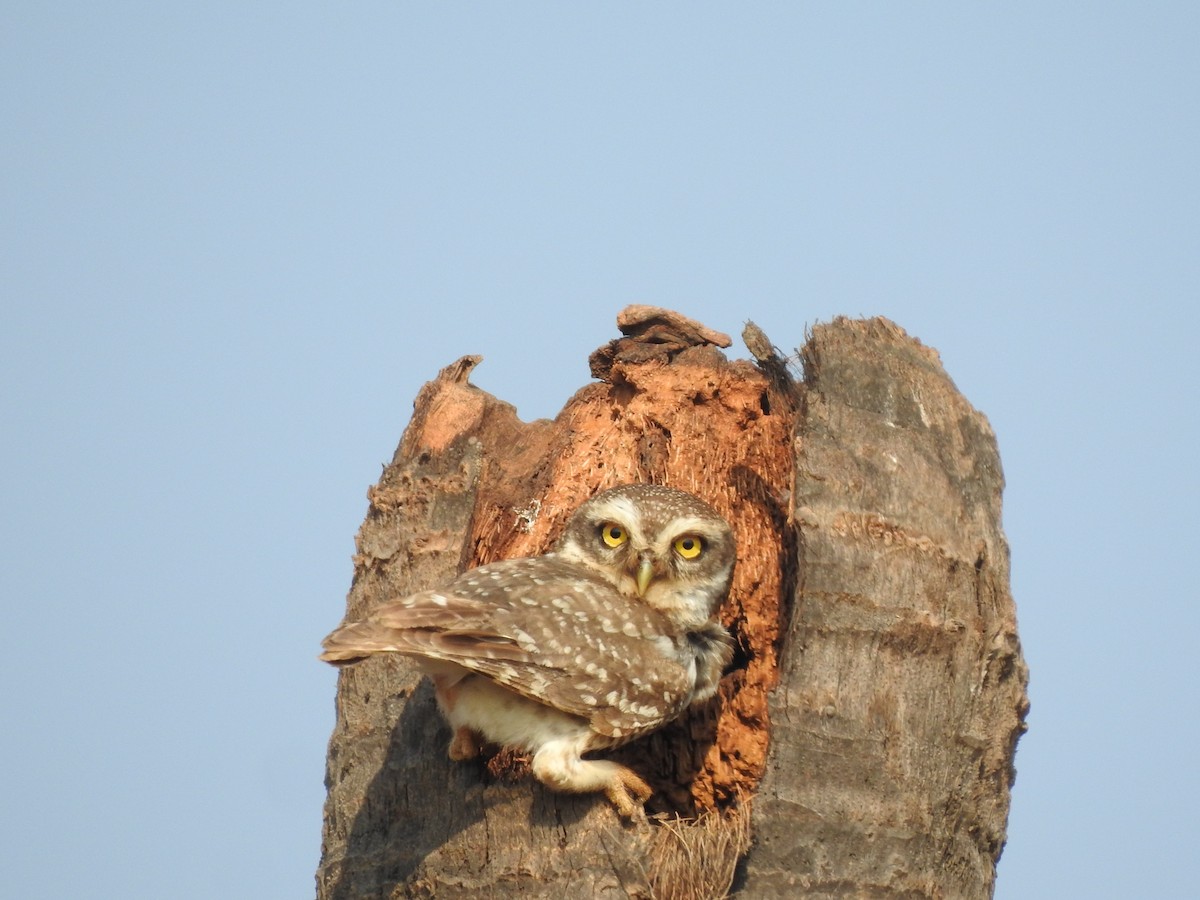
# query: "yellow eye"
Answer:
x=612 y=534
x=689 y=547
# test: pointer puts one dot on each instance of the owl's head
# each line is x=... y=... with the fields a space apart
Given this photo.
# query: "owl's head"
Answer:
x=666 y=546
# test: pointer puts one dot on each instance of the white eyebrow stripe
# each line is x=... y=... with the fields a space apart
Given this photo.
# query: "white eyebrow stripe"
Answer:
x=696 y=525
x=621 y=509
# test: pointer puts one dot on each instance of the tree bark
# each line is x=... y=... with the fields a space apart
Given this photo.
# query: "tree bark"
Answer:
x=862 y=742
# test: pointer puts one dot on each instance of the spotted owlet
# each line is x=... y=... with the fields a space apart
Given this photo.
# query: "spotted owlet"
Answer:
x=609 y=636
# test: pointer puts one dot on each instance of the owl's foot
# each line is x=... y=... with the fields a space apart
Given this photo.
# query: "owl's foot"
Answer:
x=628 y=793
x=558 y=765
x=466 y=744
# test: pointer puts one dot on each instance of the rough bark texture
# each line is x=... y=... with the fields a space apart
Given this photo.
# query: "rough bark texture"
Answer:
x=902 y=686
x=863 y=739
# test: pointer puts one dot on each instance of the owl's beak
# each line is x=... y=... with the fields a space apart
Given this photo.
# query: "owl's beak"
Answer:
x=645 y=573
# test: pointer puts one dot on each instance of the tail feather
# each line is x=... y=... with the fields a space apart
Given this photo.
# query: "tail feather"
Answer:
x=356 y=641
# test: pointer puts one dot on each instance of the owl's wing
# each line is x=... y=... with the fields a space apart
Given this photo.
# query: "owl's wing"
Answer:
x=622 y=684
x=544 y=629
x=435 y=624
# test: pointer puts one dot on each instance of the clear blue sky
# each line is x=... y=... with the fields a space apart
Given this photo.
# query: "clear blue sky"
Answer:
x=236 y=239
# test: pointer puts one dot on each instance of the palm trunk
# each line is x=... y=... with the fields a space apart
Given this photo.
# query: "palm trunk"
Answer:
x=863 y=741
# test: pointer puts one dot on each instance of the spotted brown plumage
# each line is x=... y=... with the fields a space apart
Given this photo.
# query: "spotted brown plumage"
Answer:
x=609 y=636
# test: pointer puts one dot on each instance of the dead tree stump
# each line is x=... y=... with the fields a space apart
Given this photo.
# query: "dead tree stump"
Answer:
x=864 y=739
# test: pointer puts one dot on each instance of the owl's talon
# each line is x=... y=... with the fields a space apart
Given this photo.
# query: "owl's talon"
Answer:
x=628 y=793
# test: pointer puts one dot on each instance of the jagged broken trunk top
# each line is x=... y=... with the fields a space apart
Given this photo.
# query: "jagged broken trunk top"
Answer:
x=871 y=713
